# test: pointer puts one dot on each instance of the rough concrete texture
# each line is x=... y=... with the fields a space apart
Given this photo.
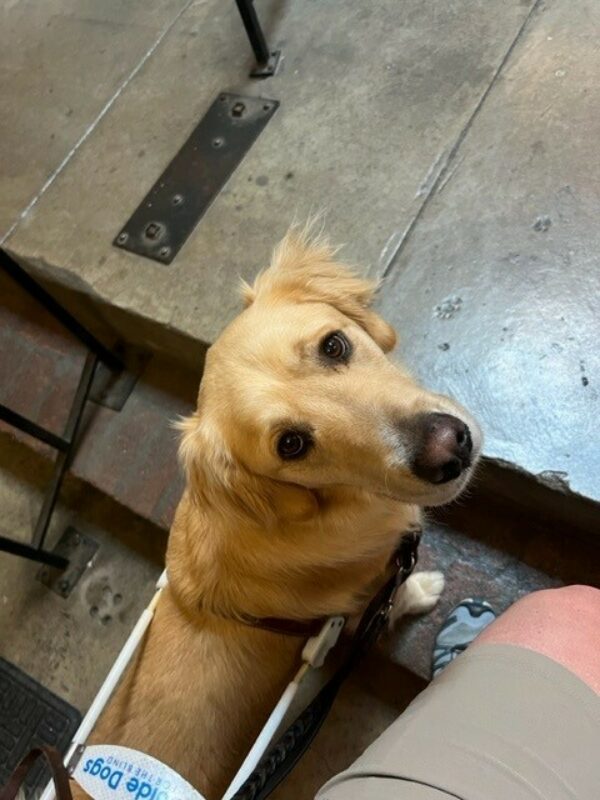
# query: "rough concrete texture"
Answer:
x=498 y=285
x=62 y=61
x=69 y=645
x=373 y=99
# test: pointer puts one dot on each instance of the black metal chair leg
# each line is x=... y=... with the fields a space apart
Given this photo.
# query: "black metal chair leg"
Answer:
x=266 y=61
x=63 y=458
x=35 y=290
x=30 y=427
x=32 y=553
x=65 y=444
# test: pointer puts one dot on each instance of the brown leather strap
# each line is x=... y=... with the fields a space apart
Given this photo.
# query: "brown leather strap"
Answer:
x=403 y=561
x=59 y=773
x=291 y=627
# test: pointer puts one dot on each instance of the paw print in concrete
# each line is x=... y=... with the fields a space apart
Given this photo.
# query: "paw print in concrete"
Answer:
x=103 y=602
x=542 y=224
x=448 y=308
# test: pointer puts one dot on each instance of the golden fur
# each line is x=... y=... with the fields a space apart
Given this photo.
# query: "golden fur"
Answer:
x=257 y=535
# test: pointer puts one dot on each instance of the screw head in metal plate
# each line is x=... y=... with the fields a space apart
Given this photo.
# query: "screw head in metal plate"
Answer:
x=154 y=231
x=122 y=238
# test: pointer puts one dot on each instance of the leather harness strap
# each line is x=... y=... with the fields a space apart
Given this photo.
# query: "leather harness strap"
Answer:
x=403 y=558
x=289 y=627
x=59 y=773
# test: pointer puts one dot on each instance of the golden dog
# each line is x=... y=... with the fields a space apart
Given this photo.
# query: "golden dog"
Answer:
x=309 y=455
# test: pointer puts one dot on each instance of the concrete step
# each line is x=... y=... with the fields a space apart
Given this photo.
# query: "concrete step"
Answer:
x=369 y=108
x=443 y=169
x=62 y=64
x=483 y=545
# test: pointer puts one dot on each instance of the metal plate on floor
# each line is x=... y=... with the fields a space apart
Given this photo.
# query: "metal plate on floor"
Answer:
x=79 y=549
x=172 y=208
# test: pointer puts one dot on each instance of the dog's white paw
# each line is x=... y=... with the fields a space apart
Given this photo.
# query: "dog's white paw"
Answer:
x=418 y=595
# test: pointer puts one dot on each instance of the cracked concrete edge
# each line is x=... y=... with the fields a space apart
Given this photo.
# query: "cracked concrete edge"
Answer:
x=546 y=494
x=110 y=321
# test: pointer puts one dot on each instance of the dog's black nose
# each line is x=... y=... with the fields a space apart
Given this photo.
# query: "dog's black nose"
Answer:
x=444 y=449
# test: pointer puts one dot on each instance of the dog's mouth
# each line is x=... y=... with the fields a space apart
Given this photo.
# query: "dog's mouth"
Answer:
x=449 y=491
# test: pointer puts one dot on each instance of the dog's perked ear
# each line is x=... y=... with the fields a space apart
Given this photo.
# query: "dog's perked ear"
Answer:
x=216 y=479
x=305 y=270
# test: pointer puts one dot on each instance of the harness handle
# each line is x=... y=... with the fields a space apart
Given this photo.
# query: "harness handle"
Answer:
x=60 y=775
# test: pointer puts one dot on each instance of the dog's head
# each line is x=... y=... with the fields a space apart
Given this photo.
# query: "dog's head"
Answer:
x=299 y=394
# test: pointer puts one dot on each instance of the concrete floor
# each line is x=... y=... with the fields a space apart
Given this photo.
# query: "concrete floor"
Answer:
x=69 y=645
x=68 y=59
x=369 y=115
x=504 y=312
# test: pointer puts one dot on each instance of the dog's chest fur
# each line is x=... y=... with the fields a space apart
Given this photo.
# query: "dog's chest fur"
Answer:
x=202 y=684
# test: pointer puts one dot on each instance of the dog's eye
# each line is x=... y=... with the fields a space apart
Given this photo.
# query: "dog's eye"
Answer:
x=293 y=444
x=335 y=347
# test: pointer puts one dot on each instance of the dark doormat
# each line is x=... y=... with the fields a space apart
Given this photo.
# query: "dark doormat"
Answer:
x=31 y=715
